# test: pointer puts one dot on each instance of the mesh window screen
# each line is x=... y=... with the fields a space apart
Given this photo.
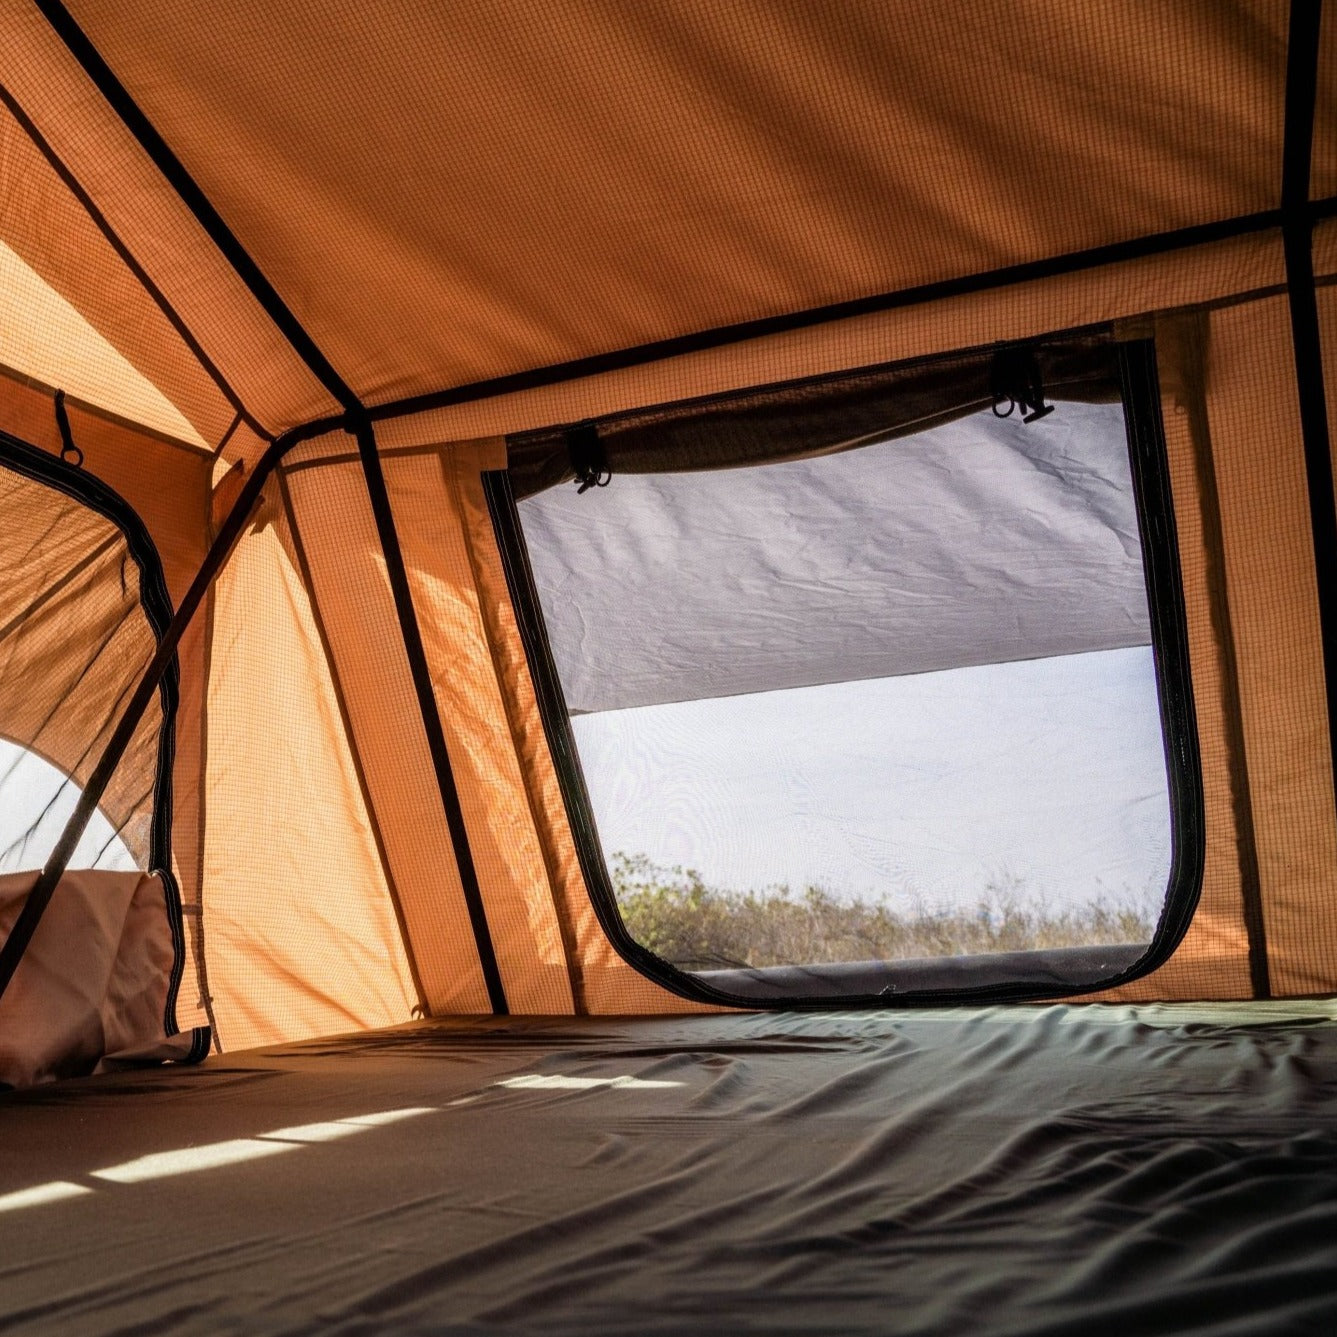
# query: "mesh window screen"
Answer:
x=82 y=603
x=877 y=722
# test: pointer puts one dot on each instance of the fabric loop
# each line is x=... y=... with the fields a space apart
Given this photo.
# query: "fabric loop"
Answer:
x=69 y=452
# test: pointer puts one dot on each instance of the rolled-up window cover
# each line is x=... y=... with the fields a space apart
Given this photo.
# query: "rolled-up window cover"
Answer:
x=800 y=419
x=857 y=552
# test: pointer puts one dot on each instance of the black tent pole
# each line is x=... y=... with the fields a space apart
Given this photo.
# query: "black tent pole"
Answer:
x=414 y=650
x=52 y=871
x=1298 y=218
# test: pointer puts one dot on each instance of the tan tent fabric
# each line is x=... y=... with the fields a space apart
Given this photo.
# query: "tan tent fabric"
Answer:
x=445 y=195
x=352 y=596
x=49 y=229
x=1213 y=960
x=784 y=156
x=300 y=932
x=554 y=956
x=1270 y=573
x=1221 y=271
x=1323 y=164
x=47 y=340
x=425 y=492
x=154 y=225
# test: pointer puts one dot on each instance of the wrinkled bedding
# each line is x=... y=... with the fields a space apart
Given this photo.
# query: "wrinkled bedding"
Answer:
x=1042 y=1171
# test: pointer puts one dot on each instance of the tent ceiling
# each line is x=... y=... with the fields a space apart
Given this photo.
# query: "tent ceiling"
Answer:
x=42 y=336
x=444 y=194
x=76 y=314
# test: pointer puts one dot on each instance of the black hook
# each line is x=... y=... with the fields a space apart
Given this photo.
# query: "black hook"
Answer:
x=69 y=452
x=588 y=461
x=1014 y=380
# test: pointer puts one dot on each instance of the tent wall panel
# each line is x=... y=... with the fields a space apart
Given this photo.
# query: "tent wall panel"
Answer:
x=300 y=931
x=167 y=486
x=425 y=492
x=242 y=446
x=1217 y=272
x=43 y=222
x=74 y=641
x=189 y=805
x=784 y=157
x=46 y=340
x=1253 y=416
x=352 y=595
x=1213 y=959
x=1323 y=163
x=603 y=982
x=1325 y=252
x=154 y=225
x=1327 y=317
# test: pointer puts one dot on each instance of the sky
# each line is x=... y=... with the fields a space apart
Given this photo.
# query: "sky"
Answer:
x=1045 y=775
x=35 y=801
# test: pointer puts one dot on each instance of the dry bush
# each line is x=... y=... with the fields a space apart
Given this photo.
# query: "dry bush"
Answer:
x=674 y=913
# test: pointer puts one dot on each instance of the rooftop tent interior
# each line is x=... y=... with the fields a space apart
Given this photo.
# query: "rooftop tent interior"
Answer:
x=514 y=517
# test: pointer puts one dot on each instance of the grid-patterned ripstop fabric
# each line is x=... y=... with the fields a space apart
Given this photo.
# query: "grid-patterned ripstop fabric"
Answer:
x=60 y=272
x=1323 y=164
x=1281 y=756
x=446 y=193
x=425 y=494
x=299 y=927
x=155 y=226
x=1220 y=271
x=74 y=633
x=1270 y=574
x=1212 y=961
x=353 y=601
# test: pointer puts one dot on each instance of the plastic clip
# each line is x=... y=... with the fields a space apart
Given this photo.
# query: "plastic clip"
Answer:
x=588 y=461
x=1014 y=380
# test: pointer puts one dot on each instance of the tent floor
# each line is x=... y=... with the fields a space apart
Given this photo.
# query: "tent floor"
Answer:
x=1042 y=1171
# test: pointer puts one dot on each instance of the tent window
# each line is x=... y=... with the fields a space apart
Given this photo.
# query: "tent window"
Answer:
x=83 y=603
x=36 y=800
x=893 y=712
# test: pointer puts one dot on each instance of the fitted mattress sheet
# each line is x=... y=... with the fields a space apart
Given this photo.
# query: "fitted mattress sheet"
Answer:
x=1067 y=1169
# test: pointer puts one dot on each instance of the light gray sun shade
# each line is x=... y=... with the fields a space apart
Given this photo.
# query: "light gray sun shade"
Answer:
x=982 y=541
